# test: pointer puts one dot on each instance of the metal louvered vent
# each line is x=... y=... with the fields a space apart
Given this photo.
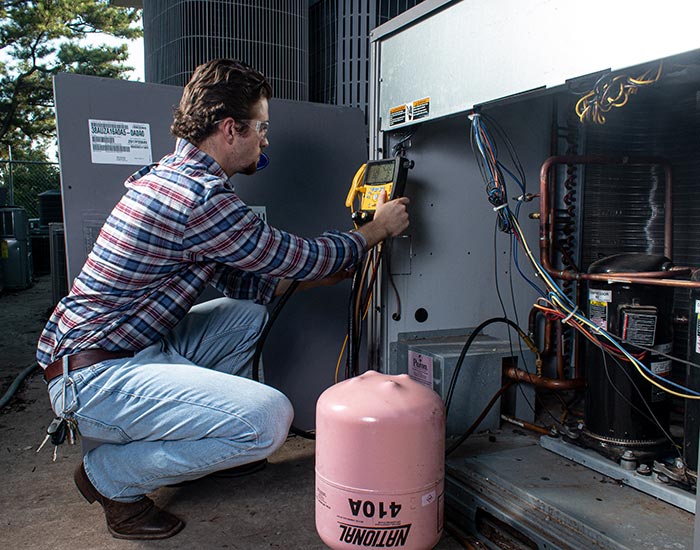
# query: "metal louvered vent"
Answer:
x=623 y=208
x=271 y=36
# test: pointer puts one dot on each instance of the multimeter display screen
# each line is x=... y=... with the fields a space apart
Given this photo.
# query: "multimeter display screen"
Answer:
x=380 y=173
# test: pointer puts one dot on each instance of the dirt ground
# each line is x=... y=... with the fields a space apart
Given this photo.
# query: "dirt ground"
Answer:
x=41 y=507
x=23 y=314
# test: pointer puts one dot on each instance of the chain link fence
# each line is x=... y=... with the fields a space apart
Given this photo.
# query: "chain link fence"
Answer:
x=34 y=187
x=21 y=183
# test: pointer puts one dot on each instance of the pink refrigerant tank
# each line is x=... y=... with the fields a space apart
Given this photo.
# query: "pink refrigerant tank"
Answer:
x=380 y=463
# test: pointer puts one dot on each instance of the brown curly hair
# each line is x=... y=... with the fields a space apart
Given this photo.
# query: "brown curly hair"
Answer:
x=218 y=89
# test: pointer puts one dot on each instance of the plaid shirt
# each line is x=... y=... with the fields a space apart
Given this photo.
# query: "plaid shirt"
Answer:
x=179 y=227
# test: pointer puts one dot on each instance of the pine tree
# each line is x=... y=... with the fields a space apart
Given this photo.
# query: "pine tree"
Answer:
x=39 y=39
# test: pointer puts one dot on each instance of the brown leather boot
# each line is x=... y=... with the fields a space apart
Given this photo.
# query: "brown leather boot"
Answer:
x=130 y=520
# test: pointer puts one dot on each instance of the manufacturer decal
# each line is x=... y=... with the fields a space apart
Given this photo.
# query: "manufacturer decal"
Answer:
x=374 y=537
x=420 y=368
x=117 y=142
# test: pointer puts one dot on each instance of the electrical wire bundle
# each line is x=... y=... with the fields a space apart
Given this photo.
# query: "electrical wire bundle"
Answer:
x=360 y=298
x=612 y=91
x=554 y=302
x=491 y=171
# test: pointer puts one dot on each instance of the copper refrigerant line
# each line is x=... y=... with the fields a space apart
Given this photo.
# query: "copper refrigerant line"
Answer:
x=658 y=278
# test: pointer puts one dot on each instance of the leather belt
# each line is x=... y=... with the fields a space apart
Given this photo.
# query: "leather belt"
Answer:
x=81 y=360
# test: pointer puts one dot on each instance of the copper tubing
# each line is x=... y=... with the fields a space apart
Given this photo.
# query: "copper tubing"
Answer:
x=532 y=328
x=560 y=353
x=541 y=382
x=547 y=225
x=523 y=424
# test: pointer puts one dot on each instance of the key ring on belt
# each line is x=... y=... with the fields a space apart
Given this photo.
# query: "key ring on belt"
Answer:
x=67 y=411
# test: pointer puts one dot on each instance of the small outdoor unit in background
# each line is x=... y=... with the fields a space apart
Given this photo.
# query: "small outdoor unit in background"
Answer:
x=57 y=251
x=15 y=248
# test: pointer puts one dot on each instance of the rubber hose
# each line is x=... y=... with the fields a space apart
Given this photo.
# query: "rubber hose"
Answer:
x=16 y=384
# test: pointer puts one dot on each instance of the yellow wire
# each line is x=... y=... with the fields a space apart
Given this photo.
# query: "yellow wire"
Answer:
x=364 y=316
x=557 y=303
x=592 y=108
x=337 y=365
x=626 y=353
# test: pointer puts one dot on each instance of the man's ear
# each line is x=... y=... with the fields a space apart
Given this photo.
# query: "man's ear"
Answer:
x=228 y=127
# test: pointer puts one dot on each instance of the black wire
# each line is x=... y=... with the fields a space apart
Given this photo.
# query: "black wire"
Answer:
x=358 y=304
x=512 y=152
x=465 y=348
x=618 y=392
x=279 y=304
x=504 y=225
x=505 y=314
x=641 y=395
x=495 y=268
x=396 y=316
x=398 y=148
x=479 y=419
x=350 y=358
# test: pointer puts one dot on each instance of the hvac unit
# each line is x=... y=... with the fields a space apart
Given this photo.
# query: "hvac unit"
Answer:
x=57 y=252
x=15 y=248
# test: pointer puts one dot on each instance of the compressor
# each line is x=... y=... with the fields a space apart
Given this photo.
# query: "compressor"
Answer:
x=380 y=451
x=623 y=411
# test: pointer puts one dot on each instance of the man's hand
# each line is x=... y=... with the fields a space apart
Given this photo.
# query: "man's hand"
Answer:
x=390 y=220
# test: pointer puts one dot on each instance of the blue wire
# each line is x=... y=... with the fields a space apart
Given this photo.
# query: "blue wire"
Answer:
x=504 y=215
x=517 y=266
x=614 y=342
x=503 y=167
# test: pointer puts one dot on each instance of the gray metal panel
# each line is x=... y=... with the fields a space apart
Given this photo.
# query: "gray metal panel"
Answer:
x=555 y=503
x=89 y=190
x=450 y=249
x=473 y=51
x=410 y=17
x=481 y=368
x=314 y=150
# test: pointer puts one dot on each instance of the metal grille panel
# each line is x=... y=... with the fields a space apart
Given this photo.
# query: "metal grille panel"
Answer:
x=271 y=36
x=623 y=209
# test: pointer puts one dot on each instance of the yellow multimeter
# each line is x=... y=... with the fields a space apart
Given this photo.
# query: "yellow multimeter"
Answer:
x=371 y=179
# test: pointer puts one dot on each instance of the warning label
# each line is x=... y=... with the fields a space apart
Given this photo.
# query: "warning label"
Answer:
x=639 y=328
x=421 y=108
x=598 y=313
x=409 y=112
x=397 y=115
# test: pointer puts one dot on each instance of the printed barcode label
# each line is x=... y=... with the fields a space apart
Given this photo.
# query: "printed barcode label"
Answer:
x=116 y=142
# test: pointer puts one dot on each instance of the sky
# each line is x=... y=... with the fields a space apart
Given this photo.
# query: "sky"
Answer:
x=136 y=59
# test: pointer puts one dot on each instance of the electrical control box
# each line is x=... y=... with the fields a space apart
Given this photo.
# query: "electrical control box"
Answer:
x=431 y=359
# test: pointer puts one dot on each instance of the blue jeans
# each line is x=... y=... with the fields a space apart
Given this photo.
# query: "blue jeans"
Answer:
x=181 y=408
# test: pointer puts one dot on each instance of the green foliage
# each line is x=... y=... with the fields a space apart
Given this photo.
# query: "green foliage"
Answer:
x=39 y=40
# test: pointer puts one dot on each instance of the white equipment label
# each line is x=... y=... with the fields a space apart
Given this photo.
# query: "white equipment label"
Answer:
x=597 y=295
x=115 y=142
x=420 y=368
